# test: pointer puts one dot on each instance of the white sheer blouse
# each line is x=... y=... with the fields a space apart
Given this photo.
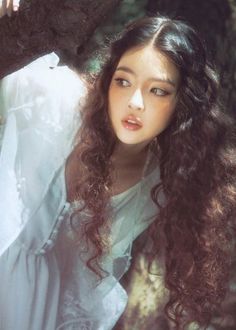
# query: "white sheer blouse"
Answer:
x=44 y=284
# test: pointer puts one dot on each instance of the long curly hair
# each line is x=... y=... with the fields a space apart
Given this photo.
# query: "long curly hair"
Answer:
x=197 y=165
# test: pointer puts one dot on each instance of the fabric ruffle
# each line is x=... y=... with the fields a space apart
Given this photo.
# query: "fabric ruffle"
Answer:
x=39 y=119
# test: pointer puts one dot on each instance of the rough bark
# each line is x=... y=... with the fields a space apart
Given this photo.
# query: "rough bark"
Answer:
x=42 y=26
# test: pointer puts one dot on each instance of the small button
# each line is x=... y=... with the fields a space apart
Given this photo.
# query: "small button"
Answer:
x=41 y=251
x=67 y=205
x=49 y=242
x=55 y=231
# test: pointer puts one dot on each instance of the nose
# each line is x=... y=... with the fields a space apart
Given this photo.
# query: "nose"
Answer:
x=136 y=101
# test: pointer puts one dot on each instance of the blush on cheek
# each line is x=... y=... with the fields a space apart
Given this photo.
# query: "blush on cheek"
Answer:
x=112 y=96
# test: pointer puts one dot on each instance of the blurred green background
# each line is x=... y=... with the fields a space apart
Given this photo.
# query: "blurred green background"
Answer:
x=127 y=11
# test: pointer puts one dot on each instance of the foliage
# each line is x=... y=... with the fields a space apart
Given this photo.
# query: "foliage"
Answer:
x=127 y=11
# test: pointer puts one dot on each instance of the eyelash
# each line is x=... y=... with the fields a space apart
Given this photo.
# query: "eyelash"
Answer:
x=162 y=92
x=120 y=82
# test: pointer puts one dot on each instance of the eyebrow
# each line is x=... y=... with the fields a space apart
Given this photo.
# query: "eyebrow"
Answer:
x=165 y=80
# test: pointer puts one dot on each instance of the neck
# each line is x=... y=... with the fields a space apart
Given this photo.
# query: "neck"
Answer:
x=126 y=155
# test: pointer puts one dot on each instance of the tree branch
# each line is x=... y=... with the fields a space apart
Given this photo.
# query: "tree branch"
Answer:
x=43 y=26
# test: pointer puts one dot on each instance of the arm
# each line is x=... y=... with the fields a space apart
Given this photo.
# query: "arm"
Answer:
x=40 y=108
x=18 y=89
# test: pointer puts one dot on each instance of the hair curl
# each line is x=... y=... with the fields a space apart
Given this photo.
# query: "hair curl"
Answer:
x=197 y=164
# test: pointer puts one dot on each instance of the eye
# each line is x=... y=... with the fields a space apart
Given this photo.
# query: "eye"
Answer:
x=122 y=82
x=159 y=92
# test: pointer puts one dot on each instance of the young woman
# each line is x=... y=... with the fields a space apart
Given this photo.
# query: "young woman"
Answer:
x=85 y=170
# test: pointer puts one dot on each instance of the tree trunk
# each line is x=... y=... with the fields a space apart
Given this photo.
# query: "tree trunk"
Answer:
x=42 y=26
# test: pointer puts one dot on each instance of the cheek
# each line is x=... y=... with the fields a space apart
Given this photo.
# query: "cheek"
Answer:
x=167 y=120
x=111 y=101
x=112 y=97
x=163 y=112
x=161 y=118
x=168 y=113
x=113 y=105
x=117 y=100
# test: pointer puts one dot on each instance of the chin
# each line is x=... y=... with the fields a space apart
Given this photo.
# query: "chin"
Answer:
x=130 y=140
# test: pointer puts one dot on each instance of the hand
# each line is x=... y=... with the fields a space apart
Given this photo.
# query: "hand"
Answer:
x=7 y=6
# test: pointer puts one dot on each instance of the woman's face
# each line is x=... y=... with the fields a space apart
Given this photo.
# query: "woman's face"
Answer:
x=142 y=95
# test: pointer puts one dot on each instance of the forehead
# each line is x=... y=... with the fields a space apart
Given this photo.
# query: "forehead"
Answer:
x=149 y=62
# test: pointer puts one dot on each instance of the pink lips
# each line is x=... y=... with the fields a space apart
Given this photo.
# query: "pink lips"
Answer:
x=132 y=123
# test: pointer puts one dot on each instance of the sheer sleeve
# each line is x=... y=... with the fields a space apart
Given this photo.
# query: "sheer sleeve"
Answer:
x=39 y=116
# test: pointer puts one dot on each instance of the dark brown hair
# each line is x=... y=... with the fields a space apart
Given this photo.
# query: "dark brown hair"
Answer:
x=197 y=164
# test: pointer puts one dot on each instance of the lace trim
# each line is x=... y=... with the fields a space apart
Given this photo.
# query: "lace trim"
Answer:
x=72 y=315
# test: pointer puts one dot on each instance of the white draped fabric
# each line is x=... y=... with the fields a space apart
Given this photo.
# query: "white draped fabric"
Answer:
x=44 y=284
